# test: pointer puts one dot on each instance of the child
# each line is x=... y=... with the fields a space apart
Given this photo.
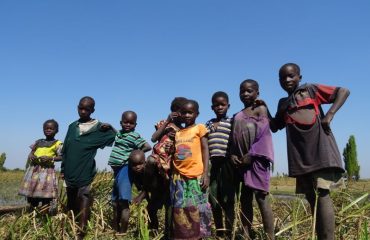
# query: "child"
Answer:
x=83 y=138
x=159 y=163
x=252 y=153
x=222 y=187
x=313 y=156
x=40 y=183
x=191 y=210
x=154 y=192
x=165 y=135
x=125 y=142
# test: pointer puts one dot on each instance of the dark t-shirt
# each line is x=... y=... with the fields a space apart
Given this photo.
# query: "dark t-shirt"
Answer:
x=78 y=163
x=309 y=147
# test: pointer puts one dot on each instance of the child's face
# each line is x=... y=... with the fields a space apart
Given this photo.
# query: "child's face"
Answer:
x=49 y=130
x=137 y=166
x=128 y=122
x=85 y=109
x=189 y=114
x=220 y=105
x=248 y=93
x=289 y=78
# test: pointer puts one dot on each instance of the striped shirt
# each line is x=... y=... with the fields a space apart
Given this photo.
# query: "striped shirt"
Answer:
x=124 y=144
x=218 y=137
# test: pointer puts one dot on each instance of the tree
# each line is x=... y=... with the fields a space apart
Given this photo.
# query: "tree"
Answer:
x=350 y=159
x=2 y=161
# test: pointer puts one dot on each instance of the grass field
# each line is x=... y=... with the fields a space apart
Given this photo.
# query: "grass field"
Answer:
x=291 y=212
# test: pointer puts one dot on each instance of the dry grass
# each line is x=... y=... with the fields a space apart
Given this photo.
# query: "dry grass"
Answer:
x=292 y=216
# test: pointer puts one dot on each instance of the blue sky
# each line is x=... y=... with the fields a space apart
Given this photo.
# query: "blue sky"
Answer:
x=139 y=55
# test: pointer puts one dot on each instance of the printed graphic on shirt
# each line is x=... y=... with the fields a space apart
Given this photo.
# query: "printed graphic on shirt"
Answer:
x=183 y=151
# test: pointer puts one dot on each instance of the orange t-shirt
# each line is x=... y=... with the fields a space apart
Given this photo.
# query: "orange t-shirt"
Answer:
x=188 y=157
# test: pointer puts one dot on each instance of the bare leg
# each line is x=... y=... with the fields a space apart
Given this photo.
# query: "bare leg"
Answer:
x=152 y=211
x=116 y=216
x=125 y=215
x=72 y=201
x=325 y=224
x=229 y=218
x=217 y=216
x=85 y=208
x=267 y=215
x=325 y=216
x=246 y=216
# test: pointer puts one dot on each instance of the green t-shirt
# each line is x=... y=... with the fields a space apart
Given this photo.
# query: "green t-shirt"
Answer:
x=78 y=163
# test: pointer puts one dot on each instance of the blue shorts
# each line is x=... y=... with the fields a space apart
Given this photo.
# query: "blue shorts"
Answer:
x=122 y=183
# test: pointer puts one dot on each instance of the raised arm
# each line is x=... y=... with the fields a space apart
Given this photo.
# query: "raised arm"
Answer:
x=160 y=131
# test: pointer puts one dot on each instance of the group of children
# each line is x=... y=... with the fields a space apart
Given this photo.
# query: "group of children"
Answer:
x=230 y=156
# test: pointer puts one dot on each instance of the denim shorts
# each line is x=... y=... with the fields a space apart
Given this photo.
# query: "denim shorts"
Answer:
x=122 y=185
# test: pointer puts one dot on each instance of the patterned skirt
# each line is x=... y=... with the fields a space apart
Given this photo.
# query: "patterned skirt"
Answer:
x=39 y=182
x=191 y=211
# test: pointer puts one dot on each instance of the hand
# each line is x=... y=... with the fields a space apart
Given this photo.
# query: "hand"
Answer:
x=32 y=157
x=45 y=159
x=169 y=148
x=137 y=200
x=235 y=160
x=172 y=116
x=258 y=102
x=325 y=122
x=204 y=181
x=246 y=160
x=105 y=127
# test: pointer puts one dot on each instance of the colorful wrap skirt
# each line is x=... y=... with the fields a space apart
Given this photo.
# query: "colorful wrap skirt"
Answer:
x=191 y=211
x=39 y=182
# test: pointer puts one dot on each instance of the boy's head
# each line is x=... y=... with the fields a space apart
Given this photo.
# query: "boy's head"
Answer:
x=137 y=161
x=248 y=91
x=85 y=108
x=289 y=77
x=50 y=128
x=220 y=104
x=177 y=103
x=189 y=112
x=128 y=121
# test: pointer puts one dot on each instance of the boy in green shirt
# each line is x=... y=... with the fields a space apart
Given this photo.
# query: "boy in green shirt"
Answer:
x=82 y=141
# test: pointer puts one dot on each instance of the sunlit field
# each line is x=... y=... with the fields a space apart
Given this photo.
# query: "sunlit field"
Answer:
x=292 y=214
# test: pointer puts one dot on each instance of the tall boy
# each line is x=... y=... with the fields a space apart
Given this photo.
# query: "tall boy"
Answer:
x=83 y=138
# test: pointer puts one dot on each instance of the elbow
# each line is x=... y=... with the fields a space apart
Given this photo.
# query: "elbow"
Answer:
x=345 y=92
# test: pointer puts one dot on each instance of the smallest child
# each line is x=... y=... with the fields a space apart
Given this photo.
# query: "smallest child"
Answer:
x=126 y=141
x=39 y=184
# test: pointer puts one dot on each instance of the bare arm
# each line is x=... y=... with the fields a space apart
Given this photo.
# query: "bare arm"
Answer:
x=146 y=147
x=205 y=160
x=160 y=131
x=340 y=99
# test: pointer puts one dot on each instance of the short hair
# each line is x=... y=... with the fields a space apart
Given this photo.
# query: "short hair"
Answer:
x=250 y=81
x=177 y=103
x=220 y=94
x=129 y=112
x=137 y=154
x=194 y=103
x=53 y=122
x=88 y=98
x=294 y=65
